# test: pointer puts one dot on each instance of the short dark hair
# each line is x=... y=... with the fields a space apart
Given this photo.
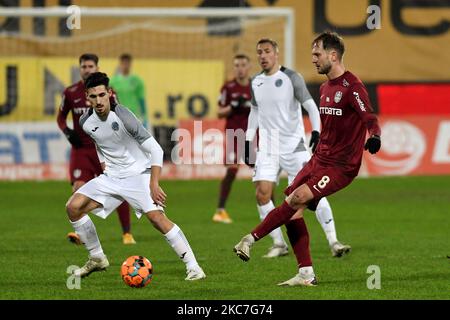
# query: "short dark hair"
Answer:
x=125 y=56
x=331 y=40
x=241 y=56
x=88 y=57
x=96 y=79
x=268 y=40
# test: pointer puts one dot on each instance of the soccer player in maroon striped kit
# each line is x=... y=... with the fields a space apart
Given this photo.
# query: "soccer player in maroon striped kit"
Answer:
x=346 y=114
x=234 y=105
x=84 y=163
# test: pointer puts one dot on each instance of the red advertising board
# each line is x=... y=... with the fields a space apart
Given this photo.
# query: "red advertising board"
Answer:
x=411 y=145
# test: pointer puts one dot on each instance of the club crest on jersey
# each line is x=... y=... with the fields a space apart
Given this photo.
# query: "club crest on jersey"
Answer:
x=338 y=96
x=278 y=83
x=76 y=173
x=115 y=126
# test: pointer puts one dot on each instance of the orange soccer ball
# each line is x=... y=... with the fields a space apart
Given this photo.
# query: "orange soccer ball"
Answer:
x=137 y=271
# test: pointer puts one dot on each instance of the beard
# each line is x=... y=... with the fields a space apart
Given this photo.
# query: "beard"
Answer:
x=325 y=69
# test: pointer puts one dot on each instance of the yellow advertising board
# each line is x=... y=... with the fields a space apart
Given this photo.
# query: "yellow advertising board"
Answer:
x=175 y=89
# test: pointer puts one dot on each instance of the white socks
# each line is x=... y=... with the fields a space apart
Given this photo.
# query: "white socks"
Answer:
x=176 y=239
x=85 y=229
x=325 y=217
x=276 y=234
x=306 y=272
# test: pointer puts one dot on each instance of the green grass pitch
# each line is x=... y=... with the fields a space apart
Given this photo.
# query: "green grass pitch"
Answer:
x=398 y=224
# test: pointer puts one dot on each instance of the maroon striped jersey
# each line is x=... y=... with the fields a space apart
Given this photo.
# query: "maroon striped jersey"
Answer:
x=232 y=91
x=346 y=114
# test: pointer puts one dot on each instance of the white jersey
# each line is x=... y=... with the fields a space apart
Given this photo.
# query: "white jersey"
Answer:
x=118 y=140
x=277 y=98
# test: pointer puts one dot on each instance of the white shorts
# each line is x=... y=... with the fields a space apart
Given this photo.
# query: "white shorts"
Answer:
x=268 y=167
x=111 y=192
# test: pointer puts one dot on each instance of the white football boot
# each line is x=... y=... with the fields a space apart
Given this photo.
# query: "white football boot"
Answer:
x=338 y=249
x=195 y=274
x=302 y=278
x=242 y=249
x=277 y=250
x=92 y=265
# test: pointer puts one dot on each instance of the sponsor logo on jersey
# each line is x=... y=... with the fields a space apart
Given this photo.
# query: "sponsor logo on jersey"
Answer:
x=95 y=129
x=338 y=96
x=345 y=83
x=260 y=84
x=77 y=100
x=331 y=111
x=115 y=126
x=278 y=83
x=80 y=110
x=360 y=102
x=327 y=99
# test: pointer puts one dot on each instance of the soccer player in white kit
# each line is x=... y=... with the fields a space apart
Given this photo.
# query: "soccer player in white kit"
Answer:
x=277 y=93
x=132 y=161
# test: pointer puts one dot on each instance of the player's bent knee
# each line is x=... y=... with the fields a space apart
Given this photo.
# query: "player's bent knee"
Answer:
x=262 y=198
x=156 y=217
x=159 y=220
x=73 y=210
x=78 y=205
x=263 y=194
x=300 y=197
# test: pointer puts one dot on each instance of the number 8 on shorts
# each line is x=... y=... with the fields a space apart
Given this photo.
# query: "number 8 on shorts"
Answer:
x=323 y=182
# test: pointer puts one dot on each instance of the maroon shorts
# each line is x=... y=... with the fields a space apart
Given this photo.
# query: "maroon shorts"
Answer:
x=321 y=180
x=84 y=164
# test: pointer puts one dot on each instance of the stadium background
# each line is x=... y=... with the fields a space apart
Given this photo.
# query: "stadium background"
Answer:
x=404 y=65
x=397 y=223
